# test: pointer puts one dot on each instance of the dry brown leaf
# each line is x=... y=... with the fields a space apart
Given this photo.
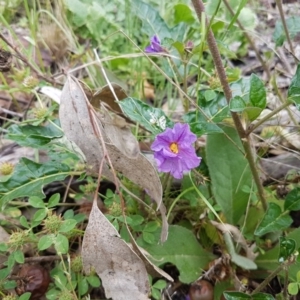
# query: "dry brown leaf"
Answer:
x=105 y=95
x=119 y=133
x=122 y=272
x=76 y=121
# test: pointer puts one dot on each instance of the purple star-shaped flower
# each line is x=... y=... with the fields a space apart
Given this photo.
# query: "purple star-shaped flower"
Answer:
x=155 y=45
x=174 y=152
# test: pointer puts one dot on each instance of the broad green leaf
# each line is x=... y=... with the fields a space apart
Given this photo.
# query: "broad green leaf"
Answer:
x=286 y=248
x=83 y=286
x=151 y=226
x=54 y=200
x=45 y=241
x=23 y=222
x=33 y=136
x=198 y=124
x=237 y=104
x=215 y=109
x=273 y=220
x=210 y=95
x=294 y=89
x=67 y=225
x=293 y=288
x=148 y=237
x=153 y=24
x=183 y=13
x=79 y=9
x=29 y=178
x=39 y=216
x=36 y=202
x=235 y=296
x=257 y=93
x=238 y=295
x=293 y=25
x=61 y=244
x=159 y=284
x=25 y=296
x=93 y=280
x=292 y=200
x=181 y=249
x=149 y=117
x=19 y=256
x=230 y=173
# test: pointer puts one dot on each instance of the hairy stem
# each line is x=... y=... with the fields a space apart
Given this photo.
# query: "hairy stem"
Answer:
x=199 y=8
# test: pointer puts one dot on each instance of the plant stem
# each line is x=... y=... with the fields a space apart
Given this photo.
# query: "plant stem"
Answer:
x=279 y=5
x=269 y=116
x=199 y=9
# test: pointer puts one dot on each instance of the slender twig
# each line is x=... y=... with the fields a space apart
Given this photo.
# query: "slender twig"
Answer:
x=199 y=8
x=269 y=116
x=282 y=17
x=250 y=41
x=27 y=62
x=272 y=275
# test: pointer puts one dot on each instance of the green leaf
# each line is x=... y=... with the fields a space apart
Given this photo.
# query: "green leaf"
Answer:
x=153 y=24
x=149 y=117
x=273 y=220
x=23 y=222
x=199 y=127
x=33 y=136
x=67 y=225
x=183 y=13
x=148 y=237
x=293 y=25
x=79 y=9
x=235 y=296
x=54 y=200
x=257 y=94
x=45 y=242
x=19 y=256
x=160 y=284
x=237 y=104
x=93 y=280
x=151 y=226
x=189 y=260
x=238 y=295
x=294 y=89
x=61 y=244
x=293 y=288
x=286 y=248
x=230 y=173
x=39 y=215
x=83 y=286
x=25 y=296
x=36 y=202
x=29 y=178
x=292 y=200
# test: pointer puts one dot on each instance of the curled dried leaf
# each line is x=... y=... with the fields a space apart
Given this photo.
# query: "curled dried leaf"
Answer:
x=122 y=272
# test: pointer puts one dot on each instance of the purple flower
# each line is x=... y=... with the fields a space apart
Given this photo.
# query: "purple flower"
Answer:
x=155 y=45
x=174 y=152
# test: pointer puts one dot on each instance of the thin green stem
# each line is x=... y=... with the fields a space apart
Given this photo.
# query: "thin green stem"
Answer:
x=269 y=116
x=200 y=9
x=177 y=199
x=204 y=199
